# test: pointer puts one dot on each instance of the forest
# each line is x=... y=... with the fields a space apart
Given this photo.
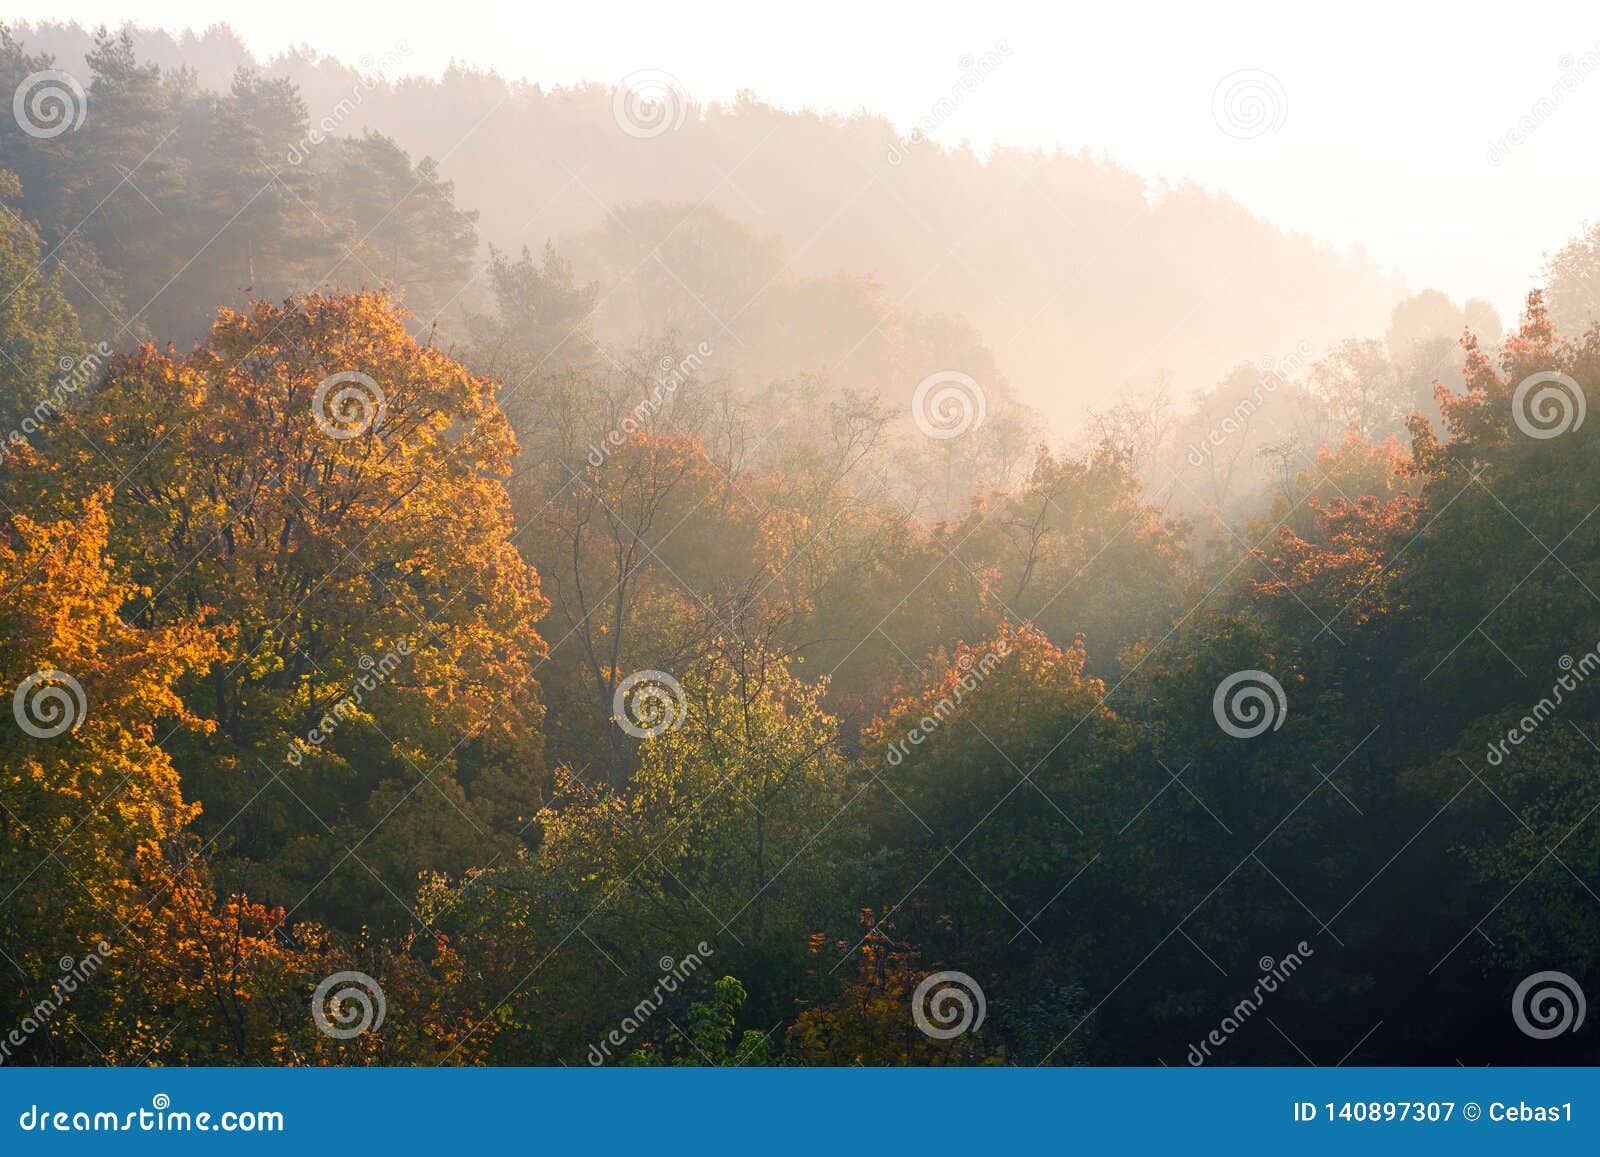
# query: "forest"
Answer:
x=649 y=636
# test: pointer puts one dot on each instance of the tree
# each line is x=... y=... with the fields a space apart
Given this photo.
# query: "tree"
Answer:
x=1573 y=291
x=88 y=793
x=1363 y=388
x=870 y=1020
x=708 y=1038
x=1006 y=760
x=542 y=319
x=40 y=345
x=401 y=221
x=329 y=489
x=731 y=813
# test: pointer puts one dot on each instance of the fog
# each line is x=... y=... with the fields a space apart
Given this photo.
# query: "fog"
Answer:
x=874 y=498
x=1084 y=279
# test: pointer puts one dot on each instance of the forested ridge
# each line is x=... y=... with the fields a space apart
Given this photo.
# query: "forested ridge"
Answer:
x=1058 y=258
x=683 y=667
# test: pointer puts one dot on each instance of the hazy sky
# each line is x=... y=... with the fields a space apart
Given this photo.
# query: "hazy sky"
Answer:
x=1380 y=118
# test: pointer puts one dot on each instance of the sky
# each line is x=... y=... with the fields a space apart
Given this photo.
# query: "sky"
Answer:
x=1455 y=146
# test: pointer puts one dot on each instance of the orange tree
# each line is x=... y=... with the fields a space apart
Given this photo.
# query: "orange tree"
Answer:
x=87 y=792
x=314 y=477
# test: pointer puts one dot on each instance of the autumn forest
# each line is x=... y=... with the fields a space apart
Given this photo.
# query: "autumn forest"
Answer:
x=639 y=637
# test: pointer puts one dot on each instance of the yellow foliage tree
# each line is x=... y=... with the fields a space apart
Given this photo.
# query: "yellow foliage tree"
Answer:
x=331 y=488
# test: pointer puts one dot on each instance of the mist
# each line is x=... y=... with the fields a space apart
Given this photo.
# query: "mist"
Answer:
x=484 y=539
